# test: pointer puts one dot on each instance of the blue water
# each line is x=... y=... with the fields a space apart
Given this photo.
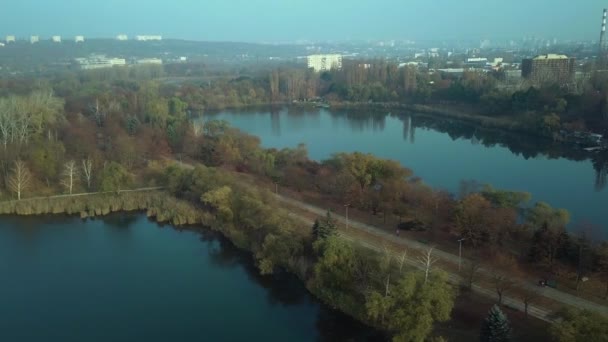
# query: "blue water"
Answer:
x=440 y=160
x=124 y=278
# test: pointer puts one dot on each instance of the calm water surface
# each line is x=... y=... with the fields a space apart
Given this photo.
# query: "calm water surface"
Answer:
x=124 y=278
x=442 y=154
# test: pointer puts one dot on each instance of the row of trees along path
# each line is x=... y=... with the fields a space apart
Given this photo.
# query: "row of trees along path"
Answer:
x=534 y=310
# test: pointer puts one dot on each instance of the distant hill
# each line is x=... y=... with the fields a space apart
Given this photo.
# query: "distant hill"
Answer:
x=22 y=56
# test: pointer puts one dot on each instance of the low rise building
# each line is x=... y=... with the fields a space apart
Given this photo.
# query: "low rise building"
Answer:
x=149 y=61
x=324 y=62
x=34 y=39
x=10 y=39
x=146 y=38
x=79 y=39
x=99 y=62
x=56 y=39
x=122 y=37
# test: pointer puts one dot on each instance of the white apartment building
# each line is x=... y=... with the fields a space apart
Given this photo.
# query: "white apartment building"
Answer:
x=146 y=38
x=34 y=39
x=122 y=37
x=79 y=39
x=10 y=39
x=150 y=61
x=99 y=61
x=56 y=39
x=324 y=62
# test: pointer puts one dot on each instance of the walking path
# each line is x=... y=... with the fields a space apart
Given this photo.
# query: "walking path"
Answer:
x=518 y=304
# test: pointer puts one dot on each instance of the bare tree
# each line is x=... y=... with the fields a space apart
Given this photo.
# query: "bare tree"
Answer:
x=427 y=260
x=502 y=283
x=402 y=260
x=70 y=173
x=528 y=296
x=472 y=267
x=198 y=128
x=504 y=274
x=20 y=178
x=87 y=171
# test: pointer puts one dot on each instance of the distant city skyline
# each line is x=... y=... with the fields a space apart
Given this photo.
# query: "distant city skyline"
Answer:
x=312 y=20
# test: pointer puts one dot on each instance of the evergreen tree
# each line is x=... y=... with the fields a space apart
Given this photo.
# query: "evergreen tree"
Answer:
x=324 y=228
x=495 y=327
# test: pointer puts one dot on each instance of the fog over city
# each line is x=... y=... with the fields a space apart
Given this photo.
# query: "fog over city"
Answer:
x=280 y=20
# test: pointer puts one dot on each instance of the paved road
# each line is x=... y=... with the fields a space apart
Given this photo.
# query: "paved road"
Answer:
x=533 y=310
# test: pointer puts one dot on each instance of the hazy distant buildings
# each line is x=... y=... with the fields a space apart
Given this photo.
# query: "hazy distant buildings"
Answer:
x=149 y=61
x=10 y=39
x=56 y=39
x=34 y=39
x=122 y=37
x=146 y=38
x=99 y=62
x=79 y=39
x=324 y=62
x=550 y=68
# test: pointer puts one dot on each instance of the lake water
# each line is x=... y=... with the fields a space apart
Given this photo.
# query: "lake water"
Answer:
x=443 y=153
x=125 y=278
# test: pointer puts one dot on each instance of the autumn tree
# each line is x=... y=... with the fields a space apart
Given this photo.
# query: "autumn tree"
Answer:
x=573 y=325
x=602 y=264
x=412 y=306
x=550 y=231
x=477 y=221
x=114 y=177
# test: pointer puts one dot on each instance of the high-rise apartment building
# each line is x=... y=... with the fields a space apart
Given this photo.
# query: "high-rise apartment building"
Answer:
x=550 y=68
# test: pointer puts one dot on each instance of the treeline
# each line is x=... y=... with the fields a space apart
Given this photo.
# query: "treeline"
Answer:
x=375 y=288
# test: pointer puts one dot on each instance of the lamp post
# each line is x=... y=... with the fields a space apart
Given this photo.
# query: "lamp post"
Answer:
x=460 y=253
x=276 y=188
x=346 y=206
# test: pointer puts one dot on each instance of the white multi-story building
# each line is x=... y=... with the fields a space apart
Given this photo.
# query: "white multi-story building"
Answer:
x=10 y=39
x=79 y=39
x=324 y=62
x=99 y=61
x=56 y=39
x=146 y=38
x=122 y=37
x=34 y=39
x=150 y=61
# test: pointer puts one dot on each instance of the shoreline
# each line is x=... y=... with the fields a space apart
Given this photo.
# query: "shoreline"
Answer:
x=158 y=205
x=436 y=111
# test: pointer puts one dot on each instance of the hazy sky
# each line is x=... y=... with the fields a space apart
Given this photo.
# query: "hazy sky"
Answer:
x=281 y=20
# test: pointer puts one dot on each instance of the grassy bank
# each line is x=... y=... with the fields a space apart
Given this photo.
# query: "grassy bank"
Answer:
x=158 y=204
